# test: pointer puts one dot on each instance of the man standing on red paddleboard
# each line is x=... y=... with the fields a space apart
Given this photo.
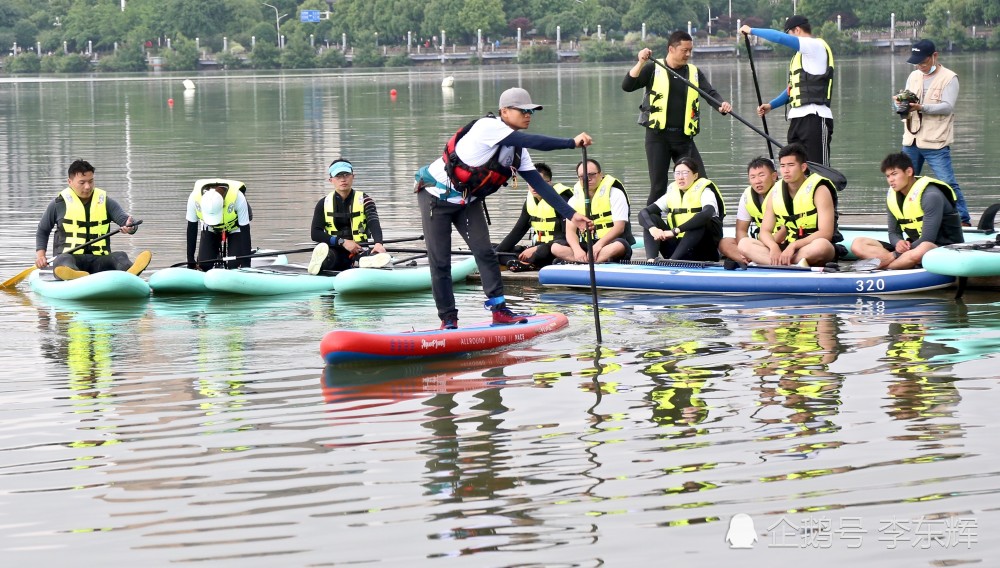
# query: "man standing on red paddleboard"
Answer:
x=477 y=161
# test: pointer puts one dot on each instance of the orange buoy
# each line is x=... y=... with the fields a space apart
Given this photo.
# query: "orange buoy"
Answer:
x=392 y=93
x=170 y=102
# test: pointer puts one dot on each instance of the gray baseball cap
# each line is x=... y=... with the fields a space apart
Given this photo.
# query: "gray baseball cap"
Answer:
x=516 y=97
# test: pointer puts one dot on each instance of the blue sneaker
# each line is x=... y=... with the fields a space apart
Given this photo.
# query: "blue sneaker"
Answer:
x=450 y=323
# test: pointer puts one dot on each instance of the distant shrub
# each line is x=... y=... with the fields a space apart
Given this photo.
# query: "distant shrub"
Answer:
x=606 y=51
x=537 y=54
x=26 y=62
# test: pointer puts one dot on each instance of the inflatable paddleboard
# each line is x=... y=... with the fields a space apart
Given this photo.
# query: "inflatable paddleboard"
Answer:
x=183 y=280
x=346 y=346
x=980 y=258
x=711 y=278
x=107 y=285
x=381 y=280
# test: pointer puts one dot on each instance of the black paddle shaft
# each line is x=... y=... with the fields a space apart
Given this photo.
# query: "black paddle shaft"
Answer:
x=833 y=175
x=756 y=87
x=591 y=238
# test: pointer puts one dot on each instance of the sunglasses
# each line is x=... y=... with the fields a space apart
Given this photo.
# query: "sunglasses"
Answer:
x=343 y=175
x=524 y=111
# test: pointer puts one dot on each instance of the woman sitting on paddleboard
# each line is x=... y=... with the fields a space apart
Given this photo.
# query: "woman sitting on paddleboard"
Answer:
x=686 y=223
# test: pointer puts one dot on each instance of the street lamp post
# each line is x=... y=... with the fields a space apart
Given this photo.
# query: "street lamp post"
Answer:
x=277 y=21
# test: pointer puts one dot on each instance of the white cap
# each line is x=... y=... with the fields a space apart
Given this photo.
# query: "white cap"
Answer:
x=211 y=207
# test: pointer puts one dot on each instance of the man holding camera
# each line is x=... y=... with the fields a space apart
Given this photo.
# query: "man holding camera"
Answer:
x=929 y=122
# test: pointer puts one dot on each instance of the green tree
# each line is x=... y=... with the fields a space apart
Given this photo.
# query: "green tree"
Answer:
x=27 y=62
x=131 y=57
x=331 y=58
x=298 y=54
x=183 y=55
x=487 y=15
x=443 y=15
x=25 y=33
x=662 y=17
x=265 y=55
x=194 y=18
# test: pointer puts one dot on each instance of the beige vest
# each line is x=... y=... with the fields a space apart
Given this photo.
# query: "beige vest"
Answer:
x=932 y=131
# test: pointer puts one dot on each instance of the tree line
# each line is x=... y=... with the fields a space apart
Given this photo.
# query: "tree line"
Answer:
x=68 y=33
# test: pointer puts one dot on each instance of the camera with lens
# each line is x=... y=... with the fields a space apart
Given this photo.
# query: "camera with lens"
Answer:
x=903 y=100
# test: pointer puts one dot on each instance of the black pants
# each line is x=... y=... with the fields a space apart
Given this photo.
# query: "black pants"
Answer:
x=437 y=218
x=696 y=244
x=542 y=256
x=94 y=263
x=663 y=147
x=211 y=248
x=814 y=132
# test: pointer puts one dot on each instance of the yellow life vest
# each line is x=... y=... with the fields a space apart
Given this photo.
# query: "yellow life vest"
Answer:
x=656 y=101
x=544 y=219
x=600 y=206
x=805 y=88
x=359 y=221
x=230 y=219
x=756 y=211
x=803 y=220
x=681 y=206
x=911 y=215
x=83 y=223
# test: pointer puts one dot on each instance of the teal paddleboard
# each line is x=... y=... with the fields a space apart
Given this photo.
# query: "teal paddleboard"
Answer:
x=107 y=285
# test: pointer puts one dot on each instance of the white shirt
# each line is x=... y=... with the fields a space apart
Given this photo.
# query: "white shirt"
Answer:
x=476 y=148
x=741 y=210
x=240 y=205
x=813 y=62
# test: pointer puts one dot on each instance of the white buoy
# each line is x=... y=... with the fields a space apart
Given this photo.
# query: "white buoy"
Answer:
x=188 y=85
x=448 y=81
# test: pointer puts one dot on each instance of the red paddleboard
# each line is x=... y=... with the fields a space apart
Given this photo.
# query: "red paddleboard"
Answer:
x=347 y=346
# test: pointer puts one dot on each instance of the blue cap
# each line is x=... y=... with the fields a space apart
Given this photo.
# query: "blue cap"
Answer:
x=340 y=167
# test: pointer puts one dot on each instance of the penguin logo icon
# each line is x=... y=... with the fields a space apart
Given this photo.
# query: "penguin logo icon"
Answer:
x=741 y=532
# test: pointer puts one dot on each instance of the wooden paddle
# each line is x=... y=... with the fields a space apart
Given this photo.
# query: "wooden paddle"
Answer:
x=838 y=179
x=11 y=282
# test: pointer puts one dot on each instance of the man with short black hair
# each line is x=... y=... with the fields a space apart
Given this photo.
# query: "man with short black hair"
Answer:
x=80 y=213
x=809 y=90
x=548 y=227
x=670 y=109
x=922 y=216
x=929 y=127
x=750 y=212
x=805 y=204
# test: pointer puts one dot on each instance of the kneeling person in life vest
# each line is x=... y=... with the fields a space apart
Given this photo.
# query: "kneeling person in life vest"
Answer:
x=805 y=204
x=923 y=215
x=539 y=216
x=345 y=223
x=81 y=213
x=686 y=222
x=219 y=208
x=609 y=210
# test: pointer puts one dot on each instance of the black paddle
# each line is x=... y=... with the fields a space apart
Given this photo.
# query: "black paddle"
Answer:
x=591 y=237
x=292 y=251
x=838 y=179
x=756 y=87
x=16 y=279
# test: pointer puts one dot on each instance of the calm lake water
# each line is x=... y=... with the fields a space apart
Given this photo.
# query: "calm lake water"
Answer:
x=206 y=430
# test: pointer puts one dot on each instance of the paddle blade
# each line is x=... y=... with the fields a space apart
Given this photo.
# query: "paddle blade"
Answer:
x=18 y=278
x=838 y=179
